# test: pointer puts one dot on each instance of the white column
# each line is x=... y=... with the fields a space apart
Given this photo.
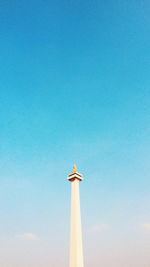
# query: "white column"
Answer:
x=76 y=250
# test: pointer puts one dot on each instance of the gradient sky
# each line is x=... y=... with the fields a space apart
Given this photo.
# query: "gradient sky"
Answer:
x=74 y=88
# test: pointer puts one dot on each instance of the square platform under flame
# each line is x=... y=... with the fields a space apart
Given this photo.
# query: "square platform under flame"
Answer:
x=71 y=177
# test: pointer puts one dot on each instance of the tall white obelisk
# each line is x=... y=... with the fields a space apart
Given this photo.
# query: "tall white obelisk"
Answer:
x=76 y=250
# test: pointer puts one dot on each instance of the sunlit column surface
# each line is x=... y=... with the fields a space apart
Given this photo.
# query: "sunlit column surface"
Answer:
x=76 y=250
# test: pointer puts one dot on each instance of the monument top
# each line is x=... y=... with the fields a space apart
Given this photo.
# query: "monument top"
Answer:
x=74 y=175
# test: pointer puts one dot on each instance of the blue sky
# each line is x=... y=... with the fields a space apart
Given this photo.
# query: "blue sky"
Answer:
x=74 y=88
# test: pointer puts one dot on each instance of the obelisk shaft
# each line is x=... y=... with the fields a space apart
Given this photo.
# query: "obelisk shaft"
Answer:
x=76 y=250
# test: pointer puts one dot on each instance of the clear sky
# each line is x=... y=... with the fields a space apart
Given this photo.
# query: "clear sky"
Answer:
x=74 y=88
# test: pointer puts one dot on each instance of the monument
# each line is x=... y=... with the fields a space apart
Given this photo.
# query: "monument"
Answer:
x=76 y=250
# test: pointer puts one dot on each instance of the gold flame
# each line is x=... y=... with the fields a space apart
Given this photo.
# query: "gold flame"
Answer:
x=74 y=168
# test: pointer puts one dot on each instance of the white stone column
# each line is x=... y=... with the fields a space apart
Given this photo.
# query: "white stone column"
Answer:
x=76 y=250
